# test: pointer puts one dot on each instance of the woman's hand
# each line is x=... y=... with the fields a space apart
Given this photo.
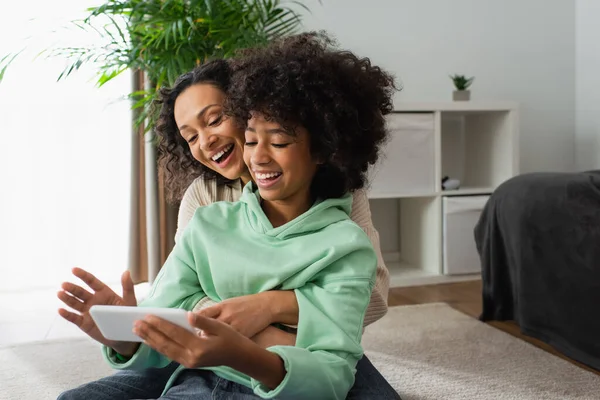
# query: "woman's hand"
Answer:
x=81 y=300
x=253 y=313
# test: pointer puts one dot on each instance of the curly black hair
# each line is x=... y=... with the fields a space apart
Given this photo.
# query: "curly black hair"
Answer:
x=175 y=159
x=340 y=98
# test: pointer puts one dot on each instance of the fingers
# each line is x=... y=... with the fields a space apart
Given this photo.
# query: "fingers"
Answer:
x=77 y=291
x=93 y=282
x=71 y=301
x=210 y=312
x=160 y=341
x=207 y=325
x=128 y=290
x=71 y=317
x=170 y=330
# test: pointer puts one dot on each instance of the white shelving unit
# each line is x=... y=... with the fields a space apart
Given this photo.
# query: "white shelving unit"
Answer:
x=474 y=142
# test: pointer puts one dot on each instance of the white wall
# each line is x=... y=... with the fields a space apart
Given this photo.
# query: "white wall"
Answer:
x=587 y=66
x=521 y=50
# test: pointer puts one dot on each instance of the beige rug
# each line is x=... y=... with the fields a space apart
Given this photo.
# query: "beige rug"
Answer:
x=435 y=352
x=426 y=352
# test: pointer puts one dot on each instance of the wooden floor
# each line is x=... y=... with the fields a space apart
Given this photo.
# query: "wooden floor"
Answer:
x=464 y=297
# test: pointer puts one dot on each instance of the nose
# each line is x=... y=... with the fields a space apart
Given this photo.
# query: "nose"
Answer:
x=207 y=141
x=260 y=155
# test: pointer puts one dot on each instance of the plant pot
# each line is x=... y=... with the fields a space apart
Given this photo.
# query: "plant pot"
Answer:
x=461 y=95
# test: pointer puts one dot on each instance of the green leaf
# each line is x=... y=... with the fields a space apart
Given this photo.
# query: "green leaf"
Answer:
x=6 y=61
x=166 y=38
x=105 y=77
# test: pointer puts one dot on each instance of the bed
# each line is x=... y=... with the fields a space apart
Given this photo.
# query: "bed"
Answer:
x=538 y=238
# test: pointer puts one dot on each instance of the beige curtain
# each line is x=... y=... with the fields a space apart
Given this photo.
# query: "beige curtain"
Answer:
x=152 y=221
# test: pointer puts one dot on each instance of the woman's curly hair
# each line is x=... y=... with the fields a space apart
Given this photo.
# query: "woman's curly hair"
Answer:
x=339 y=98
x=175 y=159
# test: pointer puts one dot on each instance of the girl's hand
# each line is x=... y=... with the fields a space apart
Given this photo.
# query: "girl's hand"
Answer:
x=253 y=313
x=81 y=300
x=215 y=344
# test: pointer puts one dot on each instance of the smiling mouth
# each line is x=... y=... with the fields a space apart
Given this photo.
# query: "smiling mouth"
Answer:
x=267 y=180
x=223 y=155
x=267 y=177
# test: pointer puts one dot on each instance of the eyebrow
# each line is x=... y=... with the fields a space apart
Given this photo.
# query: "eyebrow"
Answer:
x=272 y=131
x=199 y=115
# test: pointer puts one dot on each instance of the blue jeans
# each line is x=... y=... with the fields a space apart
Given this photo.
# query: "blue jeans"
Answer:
x=370 y=384
x=124 y=385
x=191 y=384
x=201 y=384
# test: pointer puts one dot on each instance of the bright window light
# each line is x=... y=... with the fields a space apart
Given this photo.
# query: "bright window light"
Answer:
x=64 y=156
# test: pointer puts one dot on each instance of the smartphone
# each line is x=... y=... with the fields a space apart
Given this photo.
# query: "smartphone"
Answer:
x=116 y=322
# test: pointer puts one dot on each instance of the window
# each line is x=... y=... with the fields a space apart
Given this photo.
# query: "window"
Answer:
x=64 y=158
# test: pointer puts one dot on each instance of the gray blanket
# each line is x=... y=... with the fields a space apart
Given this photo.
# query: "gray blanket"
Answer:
x=539 y=242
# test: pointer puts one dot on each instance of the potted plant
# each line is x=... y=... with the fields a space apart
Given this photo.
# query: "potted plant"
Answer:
x=461 y=83
x=163 y=39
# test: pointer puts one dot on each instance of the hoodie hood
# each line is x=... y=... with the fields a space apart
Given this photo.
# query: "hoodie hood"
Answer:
x=321 y=214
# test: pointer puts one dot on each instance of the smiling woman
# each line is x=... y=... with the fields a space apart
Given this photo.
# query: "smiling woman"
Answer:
x=224 y=156
x=194 y=132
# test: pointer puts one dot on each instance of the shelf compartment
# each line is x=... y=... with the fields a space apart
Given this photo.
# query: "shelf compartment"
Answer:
x=461 y=215
x=406 y=165
x=478 y=149
x=410 y=232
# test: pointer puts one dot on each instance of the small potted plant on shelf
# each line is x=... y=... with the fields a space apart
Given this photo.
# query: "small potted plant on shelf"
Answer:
x=461 y=83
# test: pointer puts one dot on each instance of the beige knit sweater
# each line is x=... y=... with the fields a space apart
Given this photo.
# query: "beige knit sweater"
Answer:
x=203 y=192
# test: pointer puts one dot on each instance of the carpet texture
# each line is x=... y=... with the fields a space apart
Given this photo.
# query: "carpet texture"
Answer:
x=432 y=351
x=426 y=352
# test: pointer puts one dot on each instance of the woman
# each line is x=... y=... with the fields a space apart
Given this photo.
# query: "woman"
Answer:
x=221 y=150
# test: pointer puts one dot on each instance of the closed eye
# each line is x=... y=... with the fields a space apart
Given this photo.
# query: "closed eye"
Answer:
x=192 y=139
x=280 y=145
x=250 y=144
x=216 y=121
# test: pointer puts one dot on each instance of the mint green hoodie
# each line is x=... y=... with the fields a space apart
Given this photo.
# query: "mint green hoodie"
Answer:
x=231 y=249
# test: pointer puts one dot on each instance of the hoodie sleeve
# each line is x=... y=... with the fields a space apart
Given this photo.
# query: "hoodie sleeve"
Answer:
x=332 y=310
x=176 y=286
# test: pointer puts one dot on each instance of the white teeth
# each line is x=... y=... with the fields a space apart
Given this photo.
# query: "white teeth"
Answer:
x=219 y=154
x=267 y=176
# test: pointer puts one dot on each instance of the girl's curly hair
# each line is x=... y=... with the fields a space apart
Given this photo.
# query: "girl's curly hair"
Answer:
x=339 y=98
x=175 y=159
